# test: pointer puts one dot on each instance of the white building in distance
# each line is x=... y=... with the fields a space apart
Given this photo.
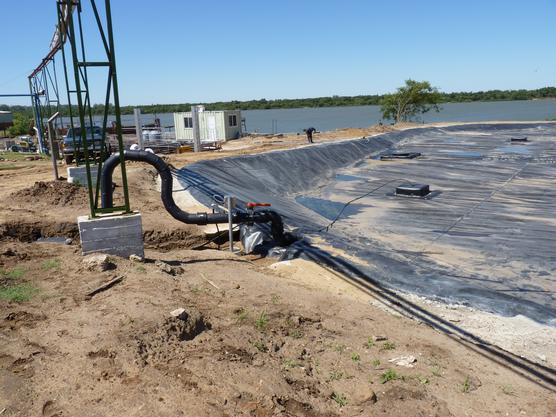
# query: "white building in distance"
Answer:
x=214 y=126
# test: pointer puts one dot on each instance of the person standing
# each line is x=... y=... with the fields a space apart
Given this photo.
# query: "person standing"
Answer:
x=309 y=133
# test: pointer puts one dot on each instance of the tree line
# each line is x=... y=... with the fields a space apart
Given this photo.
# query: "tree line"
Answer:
x=332 y=101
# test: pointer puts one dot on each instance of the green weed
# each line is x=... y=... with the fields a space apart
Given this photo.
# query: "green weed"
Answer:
x=261 y=346
x=369 y=343
x=340 y=399
x=507 y=389
x=466 y=386
x=295 y=333
x=436 y=370
x=389 y=375
x=15 y=273
x=422 y=379
x=51 y=264
x=388 y=346
x=375 y=362
x=335 y=375
x=290 y=363
x=241 y=316
x=18 y=293
x=340 y=348
x=355 y=357
x=262 y=321
x=195 y=289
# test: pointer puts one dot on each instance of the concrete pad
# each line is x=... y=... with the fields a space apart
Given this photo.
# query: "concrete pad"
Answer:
x=78 y=175
x=120 y=235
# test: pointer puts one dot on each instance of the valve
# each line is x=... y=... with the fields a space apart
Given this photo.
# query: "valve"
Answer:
x=251 y=205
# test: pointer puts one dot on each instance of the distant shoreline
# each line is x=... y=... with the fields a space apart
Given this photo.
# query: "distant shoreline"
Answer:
x=318 y=102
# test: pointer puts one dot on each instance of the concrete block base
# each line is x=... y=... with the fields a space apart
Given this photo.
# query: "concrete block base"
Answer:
x=116 y=235
x=78 y=175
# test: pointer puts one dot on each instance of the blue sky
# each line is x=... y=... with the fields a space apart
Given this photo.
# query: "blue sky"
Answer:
x=185 y=51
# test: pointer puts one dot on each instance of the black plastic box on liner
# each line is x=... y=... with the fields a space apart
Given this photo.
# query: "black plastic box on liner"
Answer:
x=419 y=190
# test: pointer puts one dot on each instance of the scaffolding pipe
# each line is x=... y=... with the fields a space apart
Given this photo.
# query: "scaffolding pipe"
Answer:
x=51 y=136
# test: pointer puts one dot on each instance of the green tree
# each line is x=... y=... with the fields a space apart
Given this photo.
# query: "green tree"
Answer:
x=415 y=97
x=22 y=125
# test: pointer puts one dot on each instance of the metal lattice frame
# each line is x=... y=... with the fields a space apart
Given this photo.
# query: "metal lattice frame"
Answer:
x=45 y=94
x=70 y=31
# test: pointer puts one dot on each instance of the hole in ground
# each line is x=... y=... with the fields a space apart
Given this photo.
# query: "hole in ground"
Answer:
x=32 y=231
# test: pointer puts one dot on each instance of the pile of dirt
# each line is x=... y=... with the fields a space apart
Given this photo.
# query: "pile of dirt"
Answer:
x=53 y=193
x=160 y=343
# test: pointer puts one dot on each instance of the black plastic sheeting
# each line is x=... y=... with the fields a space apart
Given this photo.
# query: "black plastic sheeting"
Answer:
x=484 y=237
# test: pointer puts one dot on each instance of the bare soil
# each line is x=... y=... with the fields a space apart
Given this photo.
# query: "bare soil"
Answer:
x=255 y=338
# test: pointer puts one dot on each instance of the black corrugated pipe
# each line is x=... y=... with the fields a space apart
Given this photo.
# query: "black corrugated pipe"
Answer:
x=259 y=216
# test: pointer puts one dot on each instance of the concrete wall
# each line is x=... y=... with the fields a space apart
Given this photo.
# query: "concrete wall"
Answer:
x=115 y=235
x=78 y=175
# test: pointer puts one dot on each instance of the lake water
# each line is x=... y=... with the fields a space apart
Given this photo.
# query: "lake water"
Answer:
x=330 y=118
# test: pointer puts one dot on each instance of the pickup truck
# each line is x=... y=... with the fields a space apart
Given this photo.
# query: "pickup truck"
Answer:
x=93 y=140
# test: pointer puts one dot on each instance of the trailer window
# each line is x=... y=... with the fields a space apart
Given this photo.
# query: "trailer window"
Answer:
x=188 y=122
x=232 y=120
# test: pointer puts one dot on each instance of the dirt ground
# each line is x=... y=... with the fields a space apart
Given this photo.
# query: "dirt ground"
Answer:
x=254 y=338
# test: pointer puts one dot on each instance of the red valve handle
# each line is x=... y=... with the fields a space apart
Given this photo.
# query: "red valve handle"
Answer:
x=253 y=205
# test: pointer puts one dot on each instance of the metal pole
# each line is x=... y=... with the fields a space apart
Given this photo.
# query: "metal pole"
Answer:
x=36 y=115
x=229 y=205
x=51 y=135
x=115 y=92
x=82 y=110
x=137 y=114
x=63 y=27
x=196 y=129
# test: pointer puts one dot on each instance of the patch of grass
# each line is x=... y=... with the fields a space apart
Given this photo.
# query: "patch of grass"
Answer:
x=389 y=375
x=10 y=166
x=355 y=357
x=375 y=362
x=466 y=386
x=15 y=273
x=195 y=289
x=335 y=375
x=295 y=333
x=19 y=156
x=422 y=379
x=275 y=299
x=261 y=322
x=141 y=269
x=340 y=348
x=508 y=390
x=388 y=346
x=436 y=370
x=18 y=293
x=290 y=363
x=261 y=346
x=50 y=264
x=340 y=399
x=369 y=343
x=241 y=315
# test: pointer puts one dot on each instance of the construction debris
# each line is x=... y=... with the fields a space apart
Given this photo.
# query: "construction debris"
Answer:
x=105 y=286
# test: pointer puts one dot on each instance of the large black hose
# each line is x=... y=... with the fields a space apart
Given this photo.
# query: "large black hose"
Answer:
x=259 y=216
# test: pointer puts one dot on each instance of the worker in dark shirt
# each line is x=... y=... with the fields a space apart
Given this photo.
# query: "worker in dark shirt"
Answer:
x=309 y=133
